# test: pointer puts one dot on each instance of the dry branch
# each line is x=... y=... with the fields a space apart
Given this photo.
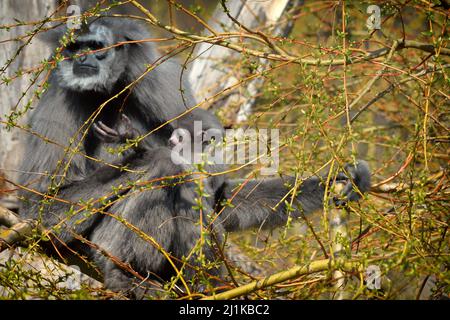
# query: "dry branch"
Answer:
x=8 y=218
x=224 y=40
x=315 y=266
x=16 y=233
x=339 y=238
x=18 y=229
x=386 y=186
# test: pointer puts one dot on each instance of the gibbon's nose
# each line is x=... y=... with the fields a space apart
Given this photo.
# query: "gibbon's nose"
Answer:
x=82 y=58
x=86 y=62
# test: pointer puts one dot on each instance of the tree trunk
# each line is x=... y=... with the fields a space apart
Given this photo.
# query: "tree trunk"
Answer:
x=211 y=71
x=29 y=56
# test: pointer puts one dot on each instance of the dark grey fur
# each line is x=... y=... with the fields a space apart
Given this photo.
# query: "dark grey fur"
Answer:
x=166 y=214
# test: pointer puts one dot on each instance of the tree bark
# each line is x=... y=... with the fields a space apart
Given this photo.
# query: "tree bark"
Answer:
x=211 y=71
x=28 y=57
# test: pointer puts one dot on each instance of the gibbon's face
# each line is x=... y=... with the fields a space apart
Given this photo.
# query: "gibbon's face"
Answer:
x=90 y=64
x=180 y=137
x=184 y=137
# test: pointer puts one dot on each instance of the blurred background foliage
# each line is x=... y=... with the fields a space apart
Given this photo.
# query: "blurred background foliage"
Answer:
x=306 y=104
x=404 y=135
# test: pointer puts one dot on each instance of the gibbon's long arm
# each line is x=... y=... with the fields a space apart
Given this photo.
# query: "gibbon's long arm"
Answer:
x=257 y=203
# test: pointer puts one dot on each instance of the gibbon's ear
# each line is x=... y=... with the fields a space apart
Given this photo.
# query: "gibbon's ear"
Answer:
x=134 y=31
x=55 y=32
x=133 y=35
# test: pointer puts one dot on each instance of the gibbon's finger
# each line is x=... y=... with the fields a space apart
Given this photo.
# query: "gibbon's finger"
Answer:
x=107 y=129
x=126 y=120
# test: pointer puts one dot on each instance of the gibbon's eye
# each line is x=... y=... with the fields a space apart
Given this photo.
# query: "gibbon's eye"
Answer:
x=73 y=47
x=203 y=136
x=95 y=45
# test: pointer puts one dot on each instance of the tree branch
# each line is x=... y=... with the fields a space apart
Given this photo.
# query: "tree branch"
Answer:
x=222 y=40
x=295 y=272
x=18 y=229
x=16 y=233
x=8 y=218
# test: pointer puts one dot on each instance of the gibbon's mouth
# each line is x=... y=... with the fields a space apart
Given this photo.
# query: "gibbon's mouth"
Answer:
x=87 y=66
x=85 y=70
